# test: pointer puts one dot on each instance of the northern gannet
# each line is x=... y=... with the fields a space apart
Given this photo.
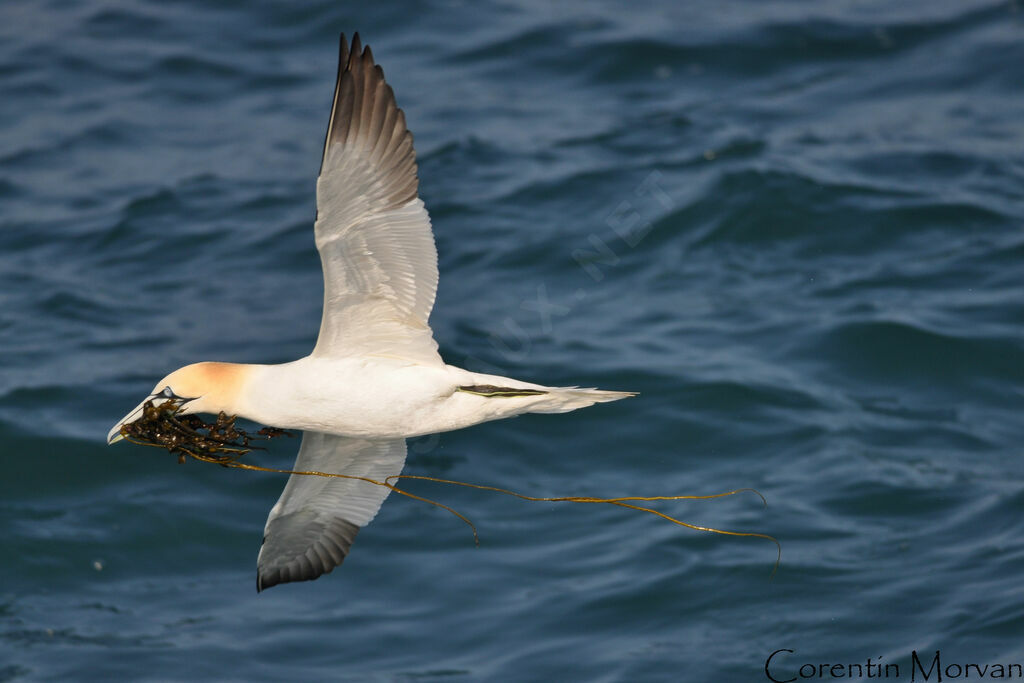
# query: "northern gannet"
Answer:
x=375 y=377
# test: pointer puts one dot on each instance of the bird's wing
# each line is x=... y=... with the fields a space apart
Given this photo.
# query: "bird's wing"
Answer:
x=312 y=526
x=372 y=230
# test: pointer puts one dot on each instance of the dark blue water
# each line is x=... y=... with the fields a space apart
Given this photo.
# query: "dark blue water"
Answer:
x=795 y=228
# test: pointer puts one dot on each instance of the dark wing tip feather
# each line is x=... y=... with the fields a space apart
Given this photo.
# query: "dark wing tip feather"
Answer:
x=364 y=114
x=328 y=551
x=357 y=46
x=343 y=57
x=342 y=53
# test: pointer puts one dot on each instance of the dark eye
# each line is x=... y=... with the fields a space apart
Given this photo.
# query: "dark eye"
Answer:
x=167 y=393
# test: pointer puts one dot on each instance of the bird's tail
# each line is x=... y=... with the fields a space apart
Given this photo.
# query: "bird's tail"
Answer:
x=564 y=399
x=507 y=397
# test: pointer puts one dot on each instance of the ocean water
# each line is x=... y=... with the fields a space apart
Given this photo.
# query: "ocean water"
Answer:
x=795 y=228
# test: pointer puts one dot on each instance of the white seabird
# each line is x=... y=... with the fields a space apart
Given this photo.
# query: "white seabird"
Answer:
x=375 y=377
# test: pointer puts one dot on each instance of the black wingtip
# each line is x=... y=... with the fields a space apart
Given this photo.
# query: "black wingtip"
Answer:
x=328 y=552
x=342 y=52
x=357 y=45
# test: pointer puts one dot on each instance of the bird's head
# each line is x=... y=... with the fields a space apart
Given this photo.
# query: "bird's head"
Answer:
x=198 y=388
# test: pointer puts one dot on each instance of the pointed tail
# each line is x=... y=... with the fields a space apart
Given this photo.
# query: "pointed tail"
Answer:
x=564 y=399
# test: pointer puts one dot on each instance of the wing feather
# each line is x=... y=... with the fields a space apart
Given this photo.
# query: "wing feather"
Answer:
x=372 y=230
x=311 y=528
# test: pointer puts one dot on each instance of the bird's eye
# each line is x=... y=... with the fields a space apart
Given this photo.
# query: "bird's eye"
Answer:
x=167 y=393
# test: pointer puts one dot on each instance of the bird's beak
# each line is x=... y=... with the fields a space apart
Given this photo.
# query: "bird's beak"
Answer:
x=158 y=398
x=115 y=434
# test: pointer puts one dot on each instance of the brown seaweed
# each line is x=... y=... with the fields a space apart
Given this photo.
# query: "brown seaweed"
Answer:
x=220 y=441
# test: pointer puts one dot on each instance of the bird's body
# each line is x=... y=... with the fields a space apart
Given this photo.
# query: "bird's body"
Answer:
x=389 y=398
x=375 y=376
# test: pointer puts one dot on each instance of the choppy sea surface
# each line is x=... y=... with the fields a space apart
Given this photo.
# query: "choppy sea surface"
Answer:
x=795 y=228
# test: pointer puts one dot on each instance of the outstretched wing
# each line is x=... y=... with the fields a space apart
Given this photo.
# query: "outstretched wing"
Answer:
x=372 y=230
x=312 y=526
